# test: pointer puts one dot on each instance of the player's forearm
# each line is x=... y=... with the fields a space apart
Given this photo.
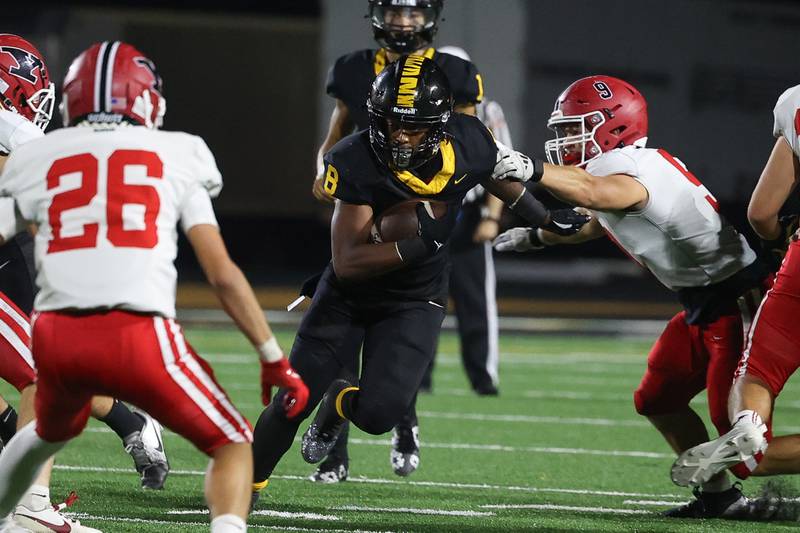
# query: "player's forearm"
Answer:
x=362 y=261
x=573 y=185
x=519 y=200
x=239 y=302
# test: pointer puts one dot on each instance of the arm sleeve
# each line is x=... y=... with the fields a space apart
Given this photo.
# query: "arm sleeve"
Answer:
x=787 y=118
x=342 y=184
x=332 y=82
x=205 y=169
x=16 y=130
x=197 y=209
x=465 y=81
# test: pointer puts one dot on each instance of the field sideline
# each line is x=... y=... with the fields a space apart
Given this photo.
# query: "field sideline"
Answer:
x=561 y=449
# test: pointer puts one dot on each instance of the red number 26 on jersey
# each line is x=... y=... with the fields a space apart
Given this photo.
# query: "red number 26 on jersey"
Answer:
x=118 y=194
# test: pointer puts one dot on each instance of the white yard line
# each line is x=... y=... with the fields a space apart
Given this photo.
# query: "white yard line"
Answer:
x=532 y=419
x=553 y=507
x=204 y=525
x=263 y=512
x=659 y=503
x=381 y=481
x=438 y=512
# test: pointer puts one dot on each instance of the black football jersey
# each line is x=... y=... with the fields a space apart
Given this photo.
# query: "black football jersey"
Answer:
x=353 y=174
x=350 y=78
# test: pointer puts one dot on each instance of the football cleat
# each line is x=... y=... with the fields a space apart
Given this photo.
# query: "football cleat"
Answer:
x=405 y=449
x=697 y=465
x=730 y=504
x=147 y=449
x=331 y=470
x=48 y=519
x=321 y=435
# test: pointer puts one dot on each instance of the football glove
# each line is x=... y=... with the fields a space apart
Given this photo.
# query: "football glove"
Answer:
x=511 y=164
x=518 y=240
x=775 y=249
x=435 y=232
x=281 y=374
x=566 y=221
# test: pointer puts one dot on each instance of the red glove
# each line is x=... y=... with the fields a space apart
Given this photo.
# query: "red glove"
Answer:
x=281 y=374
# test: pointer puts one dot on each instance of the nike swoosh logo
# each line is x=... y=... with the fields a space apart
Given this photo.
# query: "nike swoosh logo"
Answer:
x=57 y=528
x=456 y=182
x=562 y=226
x=4 y=264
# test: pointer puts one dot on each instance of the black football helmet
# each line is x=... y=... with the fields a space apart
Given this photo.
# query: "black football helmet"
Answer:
x=404 y=26
x=412 y=94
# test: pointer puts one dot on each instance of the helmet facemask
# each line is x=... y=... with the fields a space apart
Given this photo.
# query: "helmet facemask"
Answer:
x=575 y=142
x=404 y=29
x=401 y=156
x=42 y=103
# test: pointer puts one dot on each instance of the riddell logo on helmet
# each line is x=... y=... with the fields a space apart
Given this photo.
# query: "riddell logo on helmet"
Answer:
x=408 y=81
x=104 y=118
x=404 y=110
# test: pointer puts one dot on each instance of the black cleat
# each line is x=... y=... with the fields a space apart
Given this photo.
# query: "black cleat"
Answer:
x=487 y=390
x=331 y=470
x=321 y=435
x=254 y=499
x=730 y=504
x=405 y=449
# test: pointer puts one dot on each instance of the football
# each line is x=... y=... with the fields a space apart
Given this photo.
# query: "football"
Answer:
x=400 y=221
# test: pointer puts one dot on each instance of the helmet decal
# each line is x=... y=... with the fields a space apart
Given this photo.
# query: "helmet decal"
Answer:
x=27 y=63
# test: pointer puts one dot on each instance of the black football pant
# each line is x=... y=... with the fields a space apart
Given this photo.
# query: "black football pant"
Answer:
x=472 y=289
x=400 y=338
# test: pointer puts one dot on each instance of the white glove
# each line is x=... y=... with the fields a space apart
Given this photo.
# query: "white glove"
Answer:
x=512 y=165
x=518 y=240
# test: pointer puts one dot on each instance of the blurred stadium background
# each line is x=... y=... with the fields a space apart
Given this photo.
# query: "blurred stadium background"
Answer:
x=248 y=76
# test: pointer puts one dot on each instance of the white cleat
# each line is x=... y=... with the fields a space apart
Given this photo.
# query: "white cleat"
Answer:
x=47 y=520
x=697 y=465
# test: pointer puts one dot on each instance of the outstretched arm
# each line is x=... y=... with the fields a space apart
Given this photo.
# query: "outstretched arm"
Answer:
x=575 y=186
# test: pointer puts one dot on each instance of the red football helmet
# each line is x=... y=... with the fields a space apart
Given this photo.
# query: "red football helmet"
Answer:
x=595 y=115
x=25 y=86
x=113 y=82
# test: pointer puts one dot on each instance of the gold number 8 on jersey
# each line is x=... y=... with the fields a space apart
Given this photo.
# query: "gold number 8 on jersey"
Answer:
x=331 y=180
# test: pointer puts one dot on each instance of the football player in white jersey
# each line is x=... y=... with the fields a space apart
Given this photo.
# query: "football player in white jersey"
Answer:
x=649 y=203
x=26 y=104
x=772 y=349
x=107 y=193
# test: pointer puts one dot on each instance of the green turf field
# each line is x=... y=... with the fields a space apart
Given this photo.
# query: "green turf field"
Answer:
x=561 y=449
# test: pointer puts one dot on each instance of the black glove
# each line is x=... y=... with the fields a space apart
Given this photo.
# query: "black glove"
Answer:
x=435 y=232
x=775 y=249
x=566 y=221
x=432 y=234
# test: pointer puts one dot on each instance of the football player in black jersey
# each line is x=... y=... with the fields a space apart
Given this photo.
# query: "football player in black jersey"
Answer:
x=391 y=294
x=399 y=27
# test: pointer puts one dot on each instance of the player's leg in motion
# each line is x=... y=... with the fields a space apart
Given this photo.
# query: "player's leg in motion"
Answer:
x=320 y=345
x=676 y=372
x=398 y=346
x=335 y=467
x=769 y=358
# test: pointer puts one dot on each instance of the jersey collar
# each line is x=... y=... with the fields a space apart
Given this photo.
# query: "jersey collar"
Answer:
x=380 y=60
x=440 y=180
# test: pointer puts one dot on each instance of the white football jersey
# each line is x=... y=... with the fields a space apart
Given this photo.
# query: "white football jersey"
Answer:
x=787 y=118
x=679 y=235
x=107 y=204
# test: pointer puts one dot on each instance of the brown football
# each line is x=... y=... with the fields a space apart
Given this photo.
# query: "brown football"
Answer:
x=400 y=221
